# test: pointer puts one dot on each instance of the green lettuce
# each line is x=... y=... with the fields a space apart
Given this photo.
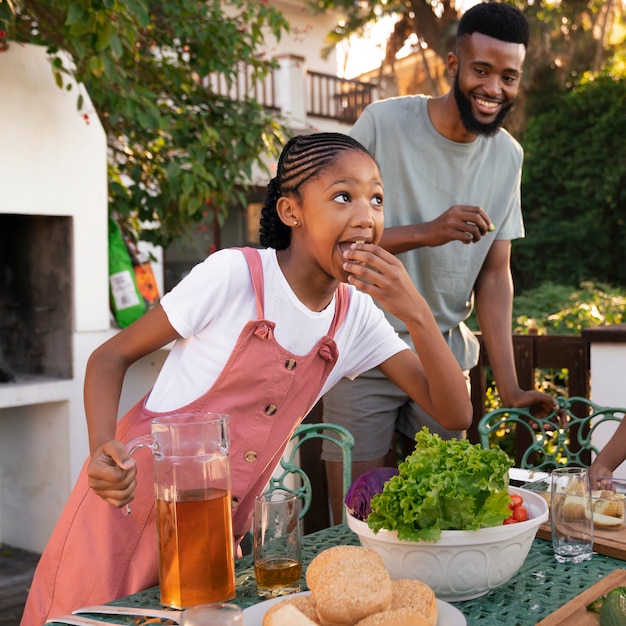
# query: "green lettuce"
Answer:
x=443 y=485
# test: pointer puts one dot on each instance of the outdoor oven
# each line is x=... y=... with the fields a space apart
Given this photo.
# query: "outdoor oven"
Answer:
x=53 y=289
x=35 y=297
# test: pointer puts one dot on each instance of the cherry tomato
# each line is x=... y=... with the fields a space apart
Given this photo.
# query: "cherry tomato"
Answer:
x=520 y=513
x=516 y=500
x=510 y=520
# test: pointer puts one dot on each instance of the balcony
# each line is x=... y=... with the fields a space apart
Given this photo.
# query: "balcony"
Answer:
x=299 y=94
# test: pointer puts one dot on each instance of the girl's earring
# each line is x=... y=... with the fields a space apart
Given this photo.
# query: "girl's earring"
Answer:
x=295 y=222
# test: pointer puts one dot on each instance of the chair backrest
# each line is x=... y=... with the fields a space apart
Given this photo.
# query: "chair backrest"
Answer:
x=303 y=489
x=561 y=438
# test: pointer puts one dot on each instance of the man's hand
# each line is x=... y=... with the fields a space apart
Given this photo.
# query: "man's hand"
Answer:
x=112 y=473
x=468 y=224
x=540 y=404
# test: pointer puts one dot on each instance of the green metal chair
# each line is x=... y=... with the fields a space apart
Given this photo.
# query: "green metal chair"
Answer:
x=331 y=432
x=561 y=438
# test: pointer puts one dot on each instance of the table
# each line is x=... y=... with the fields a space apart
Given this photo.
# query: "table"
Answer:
x=540 y=587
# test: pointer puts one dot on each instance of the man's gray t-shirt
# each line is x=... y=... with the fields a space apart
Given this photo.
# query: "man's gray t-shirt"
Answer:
x=424 y=174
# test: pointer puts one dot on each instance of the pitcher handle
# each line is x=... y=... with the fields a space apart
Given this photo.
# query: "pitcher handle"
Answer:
x=145 y=441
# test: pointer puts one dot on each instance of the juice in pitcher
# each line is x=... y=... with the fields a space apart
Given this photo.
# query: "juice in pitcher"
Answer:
x=196 y=561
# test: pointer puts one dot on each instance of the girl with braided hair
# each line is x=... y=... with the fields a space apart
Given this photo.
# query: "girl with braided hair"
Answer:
x=259 y=335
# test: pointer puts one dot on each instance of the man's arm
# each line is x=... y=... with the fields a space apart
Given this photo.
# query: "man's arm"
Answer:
x=493 y=294
x=459 y=223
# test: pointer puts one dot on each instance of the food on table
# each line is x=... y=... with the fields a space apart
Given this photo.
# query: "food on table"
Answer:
x=395 y=617
x=286 y=614
x=608 y=503
x=348 y=589
x=519 y=513
x=415 y=595
x=611 y=607
x=443 y=485
x=349 y=585
x=336 y=553
x=608 y=507
x=364 y=488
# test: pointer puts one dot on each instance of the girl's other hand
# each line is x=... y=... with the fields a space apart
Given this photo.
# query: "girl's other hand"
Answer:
x=112 y=473
x=382 y=275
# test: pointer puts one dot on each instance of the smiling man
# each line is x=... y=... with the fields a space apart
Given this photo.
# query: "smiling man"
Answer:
x=452 y=206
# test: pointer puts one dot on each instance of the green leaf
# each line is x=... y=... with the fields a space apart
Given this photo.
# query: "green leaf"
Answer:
x=74 y=14
x=96 y=65
x=443 y=485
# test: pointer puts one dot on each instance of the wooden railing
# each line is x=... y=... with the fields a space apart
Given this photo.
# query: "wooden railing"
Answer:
x=532 y=353
x=327 y=96
x=245 y=85
x=337 y=98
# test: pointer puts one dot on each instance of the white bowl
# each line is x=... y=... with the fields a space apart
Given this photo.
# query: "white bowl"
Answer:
x=463 y=564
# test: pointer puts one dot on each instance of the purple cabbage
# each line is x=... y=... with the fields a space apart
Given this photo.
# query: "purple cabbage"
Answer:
x=364 y=488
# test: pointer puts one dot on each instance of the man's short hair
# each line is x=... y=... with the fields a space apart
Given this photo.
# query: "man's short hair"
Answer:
x=495 y=19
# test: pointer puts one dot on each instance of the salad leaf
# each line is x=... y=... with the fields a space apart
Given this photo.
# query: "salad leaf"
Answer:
x=364 y=488
x=443 y=485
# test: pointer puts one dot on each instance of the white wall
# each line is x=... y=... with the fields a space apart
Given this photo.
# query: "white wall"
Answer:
x=53 y=163
x=608 y=387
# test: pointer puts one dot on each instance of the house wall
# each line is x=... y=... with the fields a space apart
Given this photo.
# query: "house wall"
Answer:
x=53 y=164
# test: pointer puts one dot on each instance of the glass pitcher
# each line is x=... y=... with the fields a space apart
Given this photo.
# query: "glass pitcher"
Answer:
x=193 y=507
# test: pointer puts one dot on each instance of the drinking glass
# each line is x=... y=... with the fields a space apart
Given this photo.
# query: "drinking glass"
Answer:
x=276 y=544
x=216 y=614
x=571 y=515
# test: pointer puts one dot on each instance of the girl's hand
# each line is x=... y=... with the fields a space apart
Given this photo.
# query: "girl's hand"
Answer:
x=380 y=274
x=112 y=473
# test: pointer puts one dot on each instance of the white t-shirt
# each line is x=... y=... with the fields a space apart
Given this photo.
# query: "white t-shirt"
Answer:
x=211 y=305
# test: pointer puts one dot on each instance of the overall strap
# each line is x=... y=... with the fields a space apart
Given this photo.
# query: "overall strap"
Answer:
x=342 y=302
x=256 y=271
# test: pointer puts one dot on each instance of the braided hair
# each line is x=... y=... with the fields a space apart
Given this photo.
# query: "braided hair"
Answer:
x=303 y=158
x=497 y=20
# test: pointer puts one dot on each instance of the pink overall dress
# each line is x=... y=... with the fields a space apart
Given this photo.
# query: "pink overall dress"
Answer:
x=97 y=554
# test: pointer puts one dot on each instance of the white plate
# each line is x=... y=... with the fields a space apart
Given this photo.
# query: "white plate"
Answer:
x=526 y=476
x=447 y=615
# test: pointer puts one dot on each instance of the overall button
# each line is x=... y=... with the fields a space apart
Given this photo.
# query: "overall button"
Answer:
x=270 y=409
x=250 y=456
x=290 y=364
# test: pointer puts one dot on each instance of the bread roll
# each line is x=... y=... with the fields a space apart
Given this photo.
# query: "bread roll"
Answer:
x=573 y=508
x=338 y=553
x=305 y=604
x=395 y=617
x=606 y=521
x=286 y=615
x=347 y=590
x=415 y=595
x=608 y=503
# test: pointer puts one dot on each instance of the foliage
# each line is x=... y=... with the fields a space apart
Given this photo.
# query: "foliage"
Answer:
x=574 y=189
x=568 y=40
x=179 y=152
x=557 y=310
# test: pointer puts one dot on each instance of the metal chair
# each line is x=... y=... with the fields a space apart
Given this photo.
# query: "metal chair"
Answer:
x=561 y=438
x=303 y=433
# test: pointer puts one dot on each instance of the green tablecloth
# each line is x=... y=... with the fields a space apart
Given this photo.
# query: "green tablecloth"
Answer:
x=540 y=587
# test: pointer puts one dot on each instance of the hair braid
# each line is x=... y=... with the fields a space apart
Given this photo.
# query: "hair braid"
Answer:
x=303 y=158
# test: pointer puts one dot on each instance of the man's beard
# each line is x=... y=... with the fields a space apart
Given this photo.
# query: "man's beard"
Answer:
x=471 y=124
